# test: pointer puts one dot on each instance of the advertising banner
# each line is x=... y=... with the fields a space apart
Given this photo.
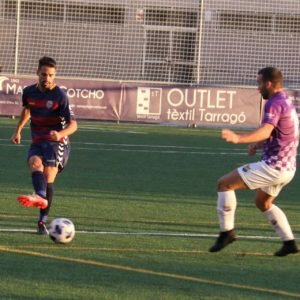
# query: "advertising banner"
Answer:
x=115 y=101
x=192 y=105
x=89 y=99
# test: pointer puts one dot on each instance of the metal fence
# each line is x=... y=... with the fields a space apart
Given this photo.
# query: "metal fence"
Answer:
x=208 y=42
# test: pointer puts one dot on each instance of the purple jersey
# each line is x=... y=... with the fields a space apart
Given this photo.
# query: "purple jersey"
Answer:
x=280 y=150
x=49 y=111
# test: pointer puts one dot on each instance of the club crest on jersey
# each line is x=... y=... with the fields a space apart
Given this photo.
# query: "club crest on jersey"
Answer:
x=49 y=104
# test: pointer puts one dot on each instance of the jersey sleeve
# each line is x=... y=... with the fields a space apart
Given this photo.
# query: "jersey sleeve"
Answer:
x=65 y=109
x=272 y=113
x=24 y=98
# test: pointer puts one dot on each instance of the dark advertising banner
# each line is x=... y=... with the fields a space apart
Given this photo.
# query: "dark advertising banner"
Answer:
x=89 y=99
x=115 y=101
x=11 y=90
x=93 y=99
x=192 y=105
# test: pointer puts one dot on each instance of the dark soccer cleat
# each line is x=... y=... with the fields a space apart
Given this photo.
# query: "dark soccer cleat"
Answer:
x=42 y=229
x=33 y=200
x=289 y=247
x=225 y=238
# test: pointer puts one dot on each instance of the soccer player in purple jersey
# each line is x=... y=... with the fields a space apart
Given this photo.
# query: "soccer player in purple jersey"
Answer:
x=278 y=138
x=51 y=122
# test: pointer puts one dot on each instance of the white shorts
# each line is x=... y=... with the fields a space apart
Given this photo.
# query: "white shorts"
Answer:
x=259 y=175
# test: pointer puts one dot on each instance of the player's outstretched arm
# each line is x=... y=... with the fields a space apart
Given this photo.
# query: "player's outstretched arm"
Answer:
x=258 y=135
x=230 y=136
x=25 y=116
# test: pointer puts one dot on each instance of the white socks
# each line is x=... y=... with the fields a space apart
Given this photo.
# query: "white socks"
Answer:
x=278 y=220
x=226 y=207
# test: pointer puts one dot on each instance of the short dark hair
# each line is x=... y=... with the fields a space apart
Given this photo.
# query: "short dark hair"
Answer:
x=272 y=74
x=47 y=61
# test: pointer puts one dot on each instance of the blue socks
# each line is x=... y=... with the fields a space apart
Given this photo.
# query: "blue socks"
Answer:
x=44 y=212
x=39 y=183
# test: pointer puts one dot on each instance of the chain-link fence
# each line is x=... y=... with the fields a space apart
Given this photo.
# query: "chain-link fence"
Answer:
x=208 y=42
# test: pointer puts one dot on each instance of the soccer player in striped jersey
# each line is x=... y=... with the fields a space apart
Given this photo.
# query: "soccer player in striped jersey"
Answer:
x=51 y=123
x=278 y=137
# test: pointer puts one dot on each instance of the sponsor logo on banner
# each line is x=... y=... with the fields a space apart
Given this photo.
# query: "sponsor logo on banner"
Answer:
x=15 y=86
x=148 y=104
x=2 y=79
x=9 y=86
x=89 y=99
x=195 y=105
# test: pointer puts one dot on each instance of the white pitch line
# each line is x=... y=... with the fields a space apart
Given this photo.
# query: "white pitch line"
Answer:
x=161 y=151
x=175 y=234
x=224 y=151
x=249 y=237
x=73 y=143
x=154 y=146
x=164 y=151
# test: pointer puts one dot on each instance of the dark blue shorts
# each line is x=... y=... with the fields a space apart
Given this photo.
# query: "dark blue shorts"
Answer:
x=53 y=154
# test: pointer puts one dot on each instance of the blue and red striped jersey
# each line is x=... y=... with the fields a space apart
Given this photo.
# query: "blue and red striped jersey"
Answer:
x=49 y=110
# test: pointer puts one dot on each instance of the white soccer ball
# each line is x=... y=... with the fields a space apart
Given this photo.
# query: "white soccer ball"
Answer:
x=61 y=230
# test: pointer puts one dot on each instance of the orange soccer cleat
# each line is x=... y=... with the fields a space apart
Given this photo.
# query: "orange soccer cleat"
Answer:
x=33 y=200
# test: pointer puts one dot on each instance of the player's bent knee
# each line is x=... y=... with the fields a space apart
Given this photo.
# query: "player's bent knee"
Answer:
x=50 y=173
x=220 y=186
x=263 y=206
x=35 y=163
x=223 y=186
